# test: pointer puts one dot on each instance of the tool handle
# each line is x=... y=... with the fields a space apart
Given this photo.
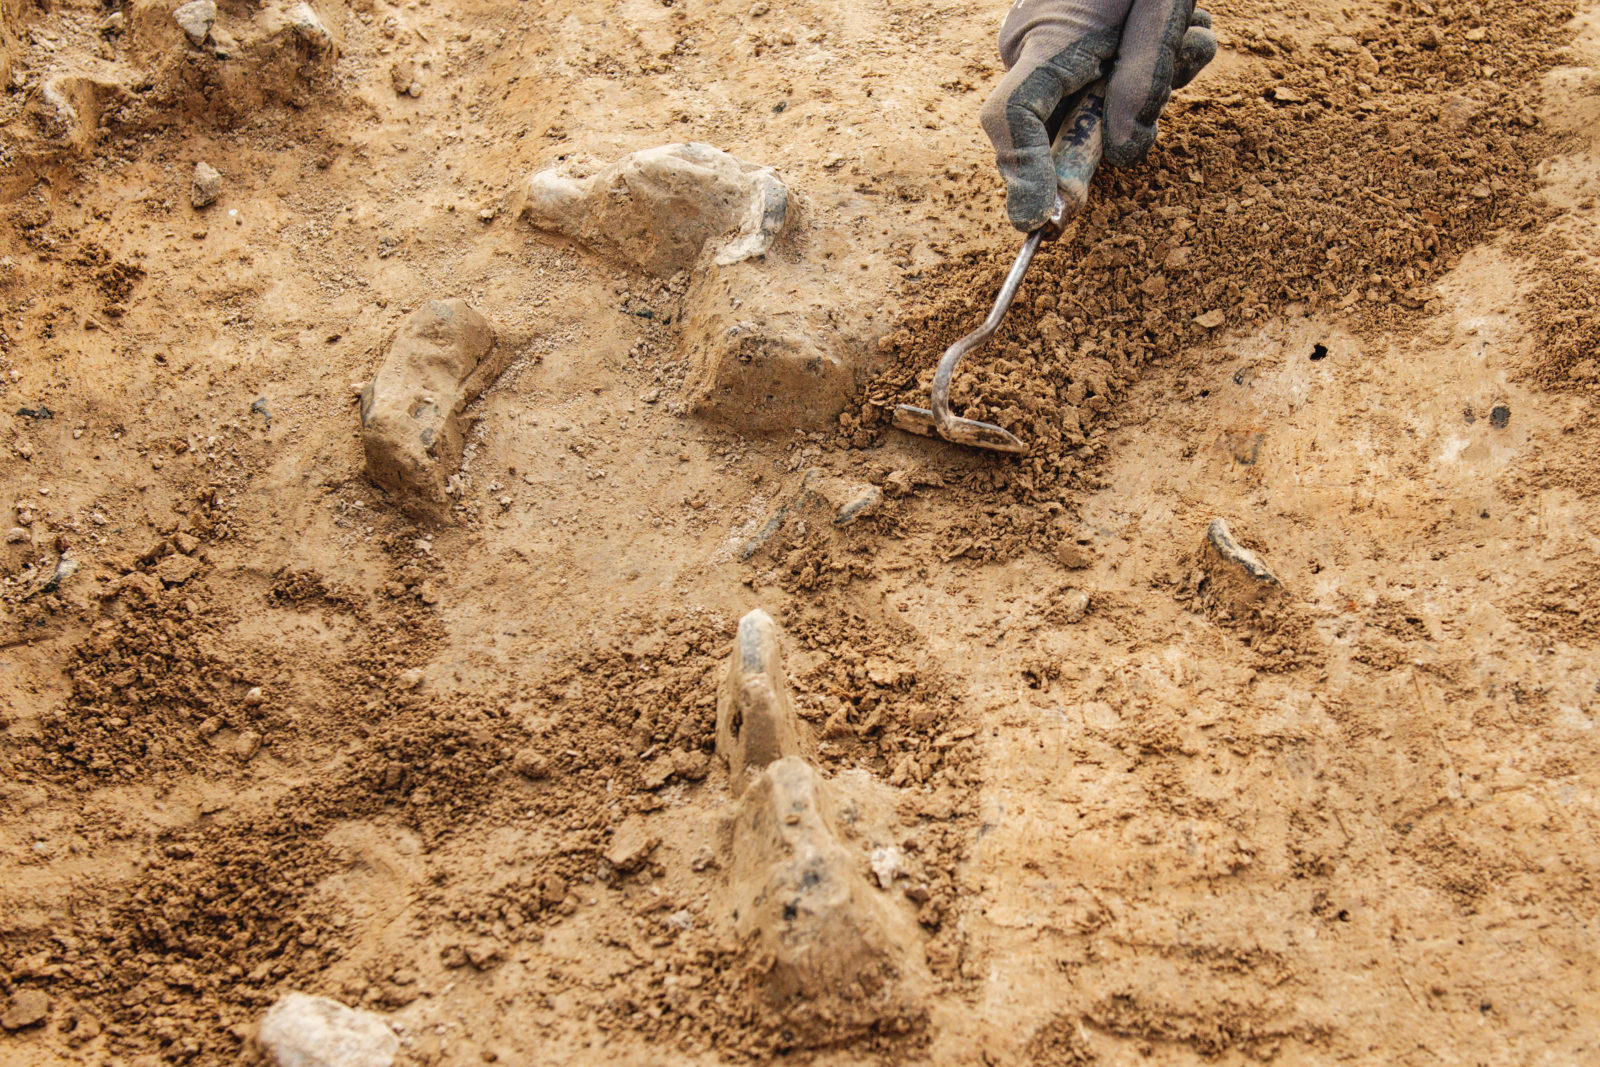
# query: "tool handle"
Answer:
x=1077 y=147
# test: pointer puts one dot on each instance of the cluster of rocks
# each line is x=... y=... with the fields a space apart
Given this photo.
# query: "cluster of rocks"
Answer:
x=245 y=62
x=772 y=340
x=198 y=20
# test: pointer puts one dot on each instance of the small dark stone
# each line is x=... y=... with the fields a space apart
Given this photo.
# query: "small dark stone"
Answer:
x=1500 y=417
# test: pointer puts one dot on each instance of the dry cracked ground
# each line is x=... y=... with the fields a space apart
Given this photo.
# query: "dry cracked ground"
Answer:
x=463 y=730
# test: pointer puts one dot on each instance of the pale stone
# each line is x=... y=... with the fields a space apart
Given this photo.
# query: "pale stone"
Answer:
x=437 y=363
x=196 y=18
x=305 y=1031
x=205 y=186
x=661 y=208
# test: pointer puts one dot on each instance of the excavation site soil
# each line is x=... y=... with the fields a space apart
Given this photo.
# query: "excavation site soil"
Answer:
x=459 y=561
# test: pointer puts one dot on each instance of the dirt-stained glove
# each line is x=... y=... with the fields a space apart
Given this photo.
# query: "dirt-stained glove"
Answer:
x=1053 y=48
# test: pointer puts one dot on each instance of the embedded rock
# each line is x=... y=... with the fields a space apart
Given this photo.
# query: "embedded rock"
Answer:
x=205 y=186
x=65 y=114
x=828 y=948
x=1235 y=578
x=307 y=25
x=756 y=721
x=631 y=845
x=196 y=18
x=772 y=346
x=437 y=363
x=663 y=208
x=304 y=1031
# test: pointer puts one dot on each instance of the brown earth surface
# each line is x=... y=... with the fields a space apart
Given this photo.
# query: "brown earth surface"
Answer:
x=260 y=732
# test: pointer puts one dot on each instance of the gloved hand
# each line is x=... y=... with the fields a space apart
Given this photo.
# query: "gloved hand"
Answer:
x=1053 y=48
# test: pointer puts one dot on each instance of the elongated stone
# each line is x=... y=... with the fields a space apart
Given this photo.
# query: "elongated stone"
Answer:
x=438 y=362
x=756 y=721
x=663 y=208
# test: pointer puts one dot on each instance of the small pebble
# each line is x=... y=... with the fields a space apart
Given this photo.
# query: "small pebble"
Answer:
x=249 y=744
x=205 y=187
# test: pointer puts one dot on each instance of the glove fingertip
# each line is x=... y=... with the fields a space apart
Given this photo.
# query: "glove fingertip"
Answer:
x=1130 y=146
x=1030 y=198
x=1195 y=53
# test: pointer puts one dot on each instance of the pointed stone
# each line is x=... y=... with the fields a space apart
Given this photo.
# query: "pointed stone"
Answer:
x=756 y=721
x=826 y=946
x=1236 y=578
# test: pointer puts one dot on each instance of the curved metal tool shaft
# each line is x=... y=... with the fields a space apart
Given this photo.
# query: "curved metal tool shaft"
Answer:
x=1076 y=151
x=971 y=431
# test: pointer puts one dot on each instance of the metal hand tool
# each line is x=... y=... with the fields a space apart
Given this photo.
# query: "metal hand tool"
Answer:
x=1076 y=150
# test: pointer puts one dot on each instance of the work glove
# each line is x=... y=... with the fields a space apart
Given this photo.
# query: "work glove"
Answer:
x=1052 y=49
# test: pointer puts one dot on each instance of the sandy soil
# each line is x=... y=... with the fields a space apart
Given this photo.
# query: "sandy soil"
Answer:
x=271 y=735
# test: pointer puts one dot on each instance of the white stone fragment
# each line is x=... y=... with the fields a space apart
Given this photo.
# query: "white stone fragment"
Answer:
x=196 y=18
x=886 y=864
x=306 y=1031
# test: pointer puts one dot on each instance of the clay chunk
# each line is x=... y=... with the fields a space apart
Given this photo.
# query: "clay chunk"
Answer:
x=30 y=1007
x=826 y=941
x=436 y=364
x=662 y=208
x=756 y=721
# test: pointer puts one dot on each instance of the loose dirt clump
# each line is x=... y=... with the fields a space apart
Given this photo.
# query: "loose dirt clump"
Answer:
x=1566 y=317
